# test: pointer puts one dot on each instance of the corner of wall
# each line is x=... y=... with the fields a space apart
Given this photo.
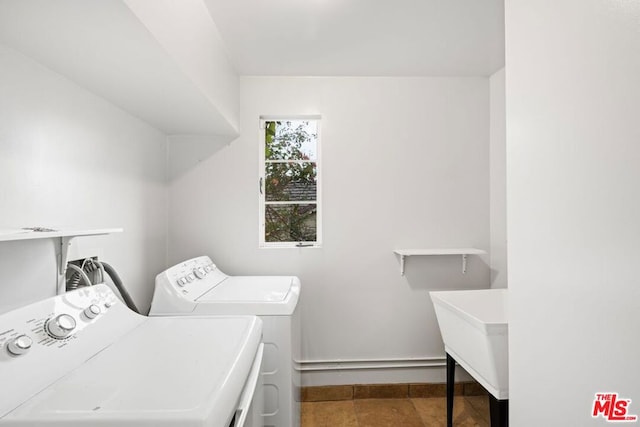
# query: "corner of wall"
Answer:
x=497 y=178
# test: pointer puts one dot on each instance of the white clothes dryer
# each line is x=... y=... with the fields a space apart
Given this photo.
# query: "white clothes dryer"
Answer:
x=84 y=359
x=197 y=287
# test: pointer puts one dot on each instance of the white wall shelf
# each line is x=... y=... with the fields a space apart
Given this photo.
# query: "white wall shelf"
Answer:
x=62 y=249
x=432 y=252
x=29 y=234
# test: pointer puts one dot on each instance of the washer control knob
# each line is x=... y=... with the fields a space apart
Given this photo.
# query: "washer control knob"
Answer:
x=61 y=326
x=92 y=311
x=199 y=272
x=19 y=345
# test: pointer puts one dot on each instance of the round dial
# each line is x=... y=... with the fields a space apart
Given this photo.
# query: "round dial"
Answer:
x=19 y=345
x=61 y=326
x=199 y=272
x=92 y=311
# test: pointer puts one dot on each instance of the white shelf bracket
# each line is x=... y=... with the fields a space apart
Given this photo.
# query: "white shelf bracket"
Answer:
x=61 y=243
x=402 y=265
x=464 y=263
x=63 y=247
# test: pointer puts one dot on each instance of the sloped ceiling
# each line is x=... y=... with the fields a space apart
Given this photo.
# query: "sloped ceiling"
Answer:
x=104 y=47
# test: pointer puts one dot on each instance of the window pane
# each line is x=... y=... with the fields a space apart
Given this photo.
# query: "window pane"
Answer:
x=294 y=182
x=291 y=140
x=290 y=223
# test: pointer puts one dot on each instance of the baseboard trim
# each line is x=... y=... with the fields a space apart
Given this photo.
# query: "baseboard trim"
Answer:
x=359 y=364
x=387 y=391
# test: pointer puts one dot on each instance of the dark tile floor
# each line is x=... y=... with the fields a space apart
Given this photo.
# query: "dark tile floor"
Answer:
x=469 y=411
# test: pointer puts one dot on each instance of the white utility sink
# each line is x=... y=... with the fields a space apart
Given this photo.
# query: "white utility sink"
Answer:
x=474 y=329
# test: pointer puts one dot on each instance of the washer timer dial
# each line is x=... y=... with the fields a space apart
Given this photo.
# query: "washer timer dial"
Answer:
x=61 y=326
x=199 y=272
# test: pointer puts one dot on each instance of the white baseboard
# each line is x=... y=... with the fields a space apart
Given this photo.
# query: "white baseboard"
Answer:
x=376 y=371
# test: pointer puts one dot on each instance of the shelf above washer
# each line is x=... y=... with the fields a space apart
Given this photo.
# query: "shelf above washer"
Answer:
x=431 y=252
x=64 y=240
x=7 y=235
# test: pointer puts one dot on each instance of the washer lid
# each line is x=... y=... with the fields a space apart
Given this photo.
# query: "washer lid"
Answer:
x=167 y=372
x=252 y=289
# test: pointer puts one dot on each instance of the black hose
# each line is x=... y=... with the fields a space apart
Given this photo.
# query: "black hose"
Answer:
x=120 y=286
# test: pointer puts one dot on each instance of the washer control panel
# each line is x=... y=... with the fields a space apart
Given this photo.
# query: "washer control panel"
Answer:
x=54 y=325
x=192 y=278
x=41 y=342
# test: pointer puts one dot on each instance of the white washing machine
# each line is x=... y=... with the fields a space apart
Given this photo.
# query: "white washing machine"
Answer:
x=197 y=287
x=84 y=359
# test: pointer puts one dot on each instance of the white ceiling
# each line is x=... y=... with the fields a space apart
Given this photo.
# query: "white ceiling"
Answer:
x=362 y=37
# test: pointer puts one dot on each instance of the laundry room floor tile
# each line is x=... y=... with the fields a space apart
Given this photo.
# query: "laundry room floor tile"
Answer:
x=329 y=414
x=387 y=413
x=469 y=411
x=433 y=411
x=481 y=405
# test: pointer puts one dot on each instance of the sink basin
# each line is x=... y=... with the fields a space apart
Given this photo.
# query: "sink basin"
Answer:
x=474 y=329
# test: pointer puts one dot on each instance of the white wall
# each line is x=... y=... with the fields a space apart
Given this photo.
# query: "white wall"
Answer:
x=498 y=180
x=405 y=165
x=573 y=156
x=70 y=159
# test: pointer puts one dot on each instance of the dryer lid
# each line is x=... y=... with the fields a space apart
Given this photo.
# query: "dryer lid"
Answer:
x=250 y=289
x=167 y=372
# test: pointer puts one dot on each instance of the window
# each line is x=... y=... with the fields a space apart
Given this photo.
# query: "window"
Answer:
x=289 y=182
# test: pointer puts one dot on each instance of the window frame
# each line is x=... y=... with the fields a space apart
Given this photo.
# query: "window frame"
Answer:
x=262 y=202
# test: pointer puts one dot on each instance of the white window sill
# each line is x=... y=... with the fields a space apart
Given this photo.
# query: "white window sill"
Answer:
x=290 y=246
